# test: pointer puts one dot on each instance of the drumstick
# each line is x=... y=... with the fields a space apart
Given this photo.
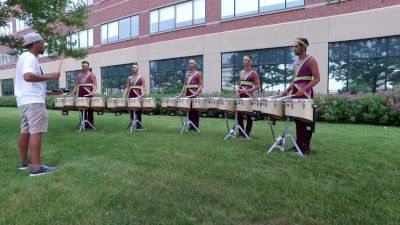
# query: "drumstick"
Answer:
x=287 y=96
x=241 y=90
x=87 y=91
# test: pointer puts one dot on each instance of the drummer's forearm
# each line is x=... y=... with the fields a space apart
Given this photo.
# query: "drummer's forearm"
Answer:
x=183 y=89
x=289 y=88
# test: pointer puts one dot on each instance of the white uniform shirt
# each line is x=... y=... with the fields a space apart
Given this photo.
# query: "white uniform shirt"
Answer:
x=29 y=92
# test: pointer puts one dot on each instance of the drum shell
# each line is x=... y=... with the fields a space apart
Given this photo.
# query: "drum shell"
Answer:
x=134 y=104
x=301 y=109
x=226 y=105
x=69 y=103
x=149 y=104
x=199 y=104
x=112 y=103
x=212 y=103
x=256 y=104
x=59 y=103
x=244 y=105
x=171 y=103
x=82 y=103
x=273 y=108
x=121 y=103
x=164 y=103
x=184 y=104
x=97 y=103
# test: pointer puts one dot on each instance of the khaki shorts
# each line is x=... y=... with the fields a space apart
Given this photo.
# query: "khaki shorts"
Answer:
x=34 y=118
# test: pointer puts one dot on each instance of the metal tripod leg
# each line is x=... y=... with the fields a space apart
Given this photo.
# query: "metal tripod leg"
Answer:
x=84 y=121
x=235 y=129
x=186 y=123
x=272 y=128
x=280 y=141
x=134 y=123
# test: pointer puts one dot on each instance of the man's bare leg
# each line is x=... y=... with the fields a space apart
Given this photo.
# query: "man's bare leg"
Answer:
x=35 y=144
x=23 y=147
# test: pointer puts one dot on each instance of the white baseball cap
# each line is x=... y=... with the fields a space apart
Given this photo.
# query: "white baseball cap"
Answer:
x=31 y=37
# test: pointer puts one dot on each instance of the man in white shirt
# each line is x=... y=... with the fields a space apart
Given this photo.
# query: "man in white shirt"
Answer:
x=30 y=89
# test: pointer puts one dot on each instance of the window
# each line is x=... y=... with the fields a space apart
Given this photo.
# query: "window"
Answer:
x=274 y=67
x=7 y=87
x=81 y=39
x=6 y=59
x=364 y=65
x=246 y=7
x=7 y=30
x=184 y=14
x=70 y=77
x=52 y=84
x=114 y=78
x=167 y=75
x=120 y=30
x=21 y=25
x=237 y=8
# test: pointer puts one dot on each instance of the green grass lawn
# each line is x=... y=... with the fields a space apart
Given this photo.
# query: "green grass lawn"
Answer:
x=158 y=176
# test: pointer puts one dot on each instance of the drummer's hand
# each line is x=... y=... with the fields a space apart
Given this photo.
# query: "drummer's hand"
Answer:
x=244 y=91
x=60 y=92
x=300 y=93
x=180 y=95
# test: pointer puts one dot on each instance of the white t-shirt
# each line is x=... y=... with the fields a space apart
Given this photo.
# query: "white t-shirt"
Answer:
x=29 y=92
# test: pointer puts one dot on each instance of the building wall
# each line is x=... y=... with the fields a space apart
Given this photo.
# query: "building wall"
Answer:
x=315 y=21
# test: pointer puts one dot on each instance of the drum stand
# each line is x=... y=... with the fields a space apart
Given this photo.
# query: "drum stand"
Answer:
x=186 y=123
x=235 y=129
x=280 y=141
x=271 y=125
x=134 y=123
x=84 y=121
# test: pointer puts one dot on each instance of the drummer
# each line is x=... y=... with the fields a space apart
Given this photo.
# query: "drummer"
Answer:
x=136 y=88
x=192 y=87
x=306 y=75
x=86 y=85
x=249 y=82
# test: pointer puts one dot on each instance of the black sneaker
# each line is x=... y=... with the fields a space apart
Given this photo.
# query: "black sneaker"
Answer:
x=43 y=170
x=24 y=165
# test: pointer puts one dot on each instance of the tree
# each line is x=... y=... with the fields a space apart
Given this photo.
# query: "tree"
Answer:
x=53 y=19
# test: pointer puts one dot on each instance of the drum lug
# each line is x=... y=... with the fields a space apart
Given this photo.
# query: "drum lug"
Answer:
x=100 y=112
x=64 y=113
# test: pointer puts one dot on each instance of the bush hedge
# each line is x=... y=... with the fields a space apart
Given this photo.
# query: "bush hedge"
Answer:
x=379 y=108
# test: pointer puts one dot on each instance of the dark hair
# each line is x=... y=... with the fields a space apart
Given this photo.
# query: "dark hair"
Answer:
x=303 y=40
x=85 y=62
x=251 y=58
x=29 y=46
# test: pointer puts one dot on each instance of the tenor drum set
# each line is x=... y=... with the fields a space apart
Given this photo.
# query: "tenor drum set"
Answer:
x=98 y=104
x=66 y=104
x=273 y=108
